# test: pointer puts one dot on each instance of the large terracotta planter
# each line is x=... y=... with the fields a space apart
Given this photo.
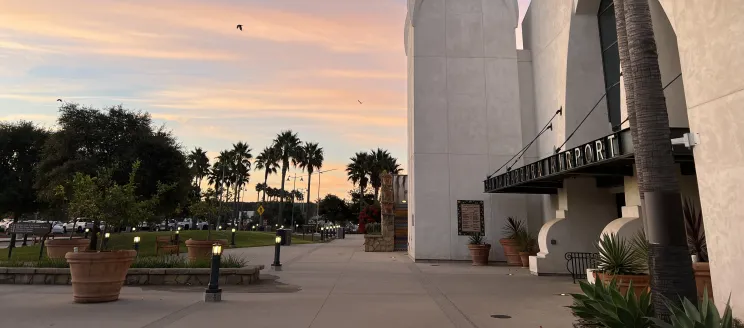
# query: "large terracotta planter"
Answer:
x=640 y=282
x=479 y=253
x=511 y=251
x=524 y=257
x=702 y=279
x=57 y=248
x=202 y=249
x=98 y=276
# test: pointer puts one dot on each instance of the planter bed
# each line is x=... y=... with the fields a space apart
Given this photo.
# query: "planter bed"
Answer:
x=135 y=277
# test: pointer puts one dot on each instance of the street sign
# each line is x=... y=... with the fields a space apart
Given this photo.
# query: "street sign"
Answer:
x=31 y=228
x=260 y=210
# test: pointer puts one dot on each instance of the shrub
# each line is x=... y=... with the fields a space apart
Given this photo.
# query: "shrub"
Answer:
x=603 y=305
x=617 y=256
x=705 y=315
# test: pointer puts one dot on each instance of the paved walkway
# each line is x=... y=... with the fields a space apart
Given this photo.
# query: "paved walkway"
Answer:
x=320 y=285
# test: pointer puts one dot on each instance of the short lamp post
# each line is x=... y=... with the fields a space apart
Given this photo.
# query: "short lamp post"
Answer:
x=213 y=292
x=232 y=242
x=134 y=229
x=322 y=236
x=136 y=244
x=254 y=227
x=277 y=250
x=177 y=238
x=106 y=237
x=87 y=230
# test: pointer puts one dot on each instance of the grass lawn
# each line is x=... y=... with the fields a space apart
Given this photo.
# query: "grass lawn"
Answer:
x=147 y=241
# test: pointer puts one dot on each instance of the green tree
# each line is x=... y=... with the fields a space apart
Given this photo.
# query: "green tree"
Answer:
x=658 y=184
x=21 y=147
x=310 y=159
x=198 y=163
x=88 y=139
x=335 y=209
x=241 y=167
x=209 y=209
x=268 y=161
x=381 y=161
x=287 y=144
x=358 y=172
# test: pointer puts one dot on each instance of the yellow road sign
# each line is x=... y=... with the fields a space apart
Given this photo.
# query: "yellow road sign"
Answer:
x=260 y=210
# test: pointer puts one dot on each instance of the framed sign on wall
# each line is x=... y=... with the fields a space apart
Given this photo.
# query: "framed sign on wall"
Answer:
x=470 y=219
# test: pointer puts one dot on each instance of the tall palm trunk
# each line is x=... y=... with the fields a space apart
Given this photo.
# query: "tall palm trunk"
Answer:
x=307 y=208
x=670 y=264
x=266 y=186
x=285 y=167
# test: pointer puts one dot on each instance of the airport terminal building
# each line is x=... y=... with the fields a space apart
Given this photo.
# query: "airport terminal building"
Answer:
x=475 y=102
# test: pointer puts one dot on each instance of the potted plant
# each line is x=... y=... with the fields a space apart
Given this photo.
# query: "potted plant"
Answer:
x=621 y=261
x=208 y=210
x=527 y=247
x=97 y=276
x=510 y=242
x=57 y=248
x=698 y=247
x=479 y=249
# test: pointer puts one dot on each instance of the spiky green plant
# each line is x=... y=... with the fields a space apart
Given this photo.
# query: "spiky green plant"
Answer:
x=604 y=305
x=513 y=227
x=617 y=256
x=476 y=239
x=705 y=315
x=640 y=244
x=695 y=229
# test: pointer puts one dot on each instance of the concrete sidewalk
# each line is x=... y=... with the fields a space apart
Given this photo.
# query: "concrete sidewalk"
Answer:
x=320 y=285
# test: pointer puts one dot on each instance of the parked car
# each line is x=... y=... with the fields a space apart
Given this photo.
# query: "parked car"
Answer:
x=167 y=225
x=189 y=224
x=58 y=228
x=78 y=225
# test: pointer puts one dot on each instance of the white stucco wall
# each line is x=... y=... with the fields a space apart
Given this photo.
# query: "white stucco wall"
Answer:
x=466 y=113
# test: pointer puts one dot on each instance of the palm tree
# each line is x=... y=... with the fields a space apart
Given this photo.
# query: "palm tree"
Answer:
x=259 y=188
x=654 y=160
x=199 y=165
x=358 y=171
x=287 y=145
x=311 y=159
x=241 y=156
x=381 y=161
x=268 y=161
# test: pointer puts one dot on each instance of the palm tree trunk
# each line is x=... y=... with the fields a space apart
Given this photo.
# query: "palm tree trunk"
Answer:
x=670 y=263
x=266 y=186
x=281 y=194
x=307 y=208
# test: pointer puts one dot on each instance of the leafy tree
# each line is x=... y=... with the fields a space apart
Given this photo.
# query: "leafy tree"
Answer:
x=198 y=163
x=89 y=139
x=354 y=204
x=287 y=144
x=381 y=161
x=310 y=159
x=334 y=209
x=21 y=147
x=268 y=161
x=209 y=209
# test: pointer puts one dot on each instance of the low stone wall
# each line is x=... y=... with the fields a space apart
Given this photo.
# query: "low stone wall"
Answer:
x=378 y=243
x=182 y=277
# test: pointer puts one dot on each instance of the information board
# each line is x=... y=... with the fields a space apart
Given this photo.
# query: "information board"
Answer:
x=31 y=228
x=470 y=220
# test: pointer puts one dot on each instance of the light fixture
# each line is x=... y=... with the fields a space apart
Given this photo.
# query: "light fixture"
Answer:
x=179 y=228
x=277 y=251
x=134 y=229
x=136 y=240
x=217 y=249
x=278 y=239
x=87 y=230
x=107 y=235
x=233 y=229
x=219 y=228
x=404 y=201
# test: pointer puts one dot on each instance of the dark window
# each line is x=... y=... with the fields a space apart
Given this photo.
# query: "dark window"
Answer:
x=610 y=60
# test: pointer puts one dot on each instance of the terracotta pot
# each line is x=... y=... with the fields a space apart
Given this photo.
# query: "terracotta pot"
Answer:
x=57 y=248
x=525 y=258
x=702 y=279
x=640 y=282
x=479 y=253
x=98 y=276
x=202 y=249
x=511 y=251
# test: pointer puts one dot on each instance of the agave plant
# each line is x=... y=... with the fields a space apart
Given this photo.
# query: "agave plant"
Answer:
x=695 y=231
x=705 y=315
x=527 y=241
x=513 y=228
x=640 y=244
x=604 y=306
x=476 y=239
x=617 y=256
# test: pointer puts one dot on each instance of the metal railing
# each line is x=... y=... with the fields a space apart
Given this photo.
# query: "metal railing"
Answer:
x=578 y=262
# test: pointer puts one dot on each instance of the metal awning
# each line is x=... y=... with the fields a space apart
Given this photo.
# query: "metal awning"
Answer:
x=609 y=159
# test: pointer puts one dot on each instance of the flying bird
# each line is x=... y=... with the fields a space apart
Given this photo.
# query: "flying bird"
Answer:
x=360 y=102
x=60 y=100
x=240 y=27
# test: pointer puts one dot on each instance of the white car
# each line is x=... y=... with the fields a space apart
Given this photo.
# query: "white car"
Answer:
x=58 y=228
x=188 y=224
x=79 y=225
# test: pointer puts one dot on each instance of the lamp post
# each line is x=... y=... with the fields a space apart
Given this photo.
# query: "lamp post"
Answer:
x=232 y=242
x=136 y=244
x=277 y=250
x=254 y=227
x=294 y=188
x=87 y=230
x=106 y=237
x=134 y=229
x=322 y=236
x=178 y=237
x=317 y=208
x=213 y=292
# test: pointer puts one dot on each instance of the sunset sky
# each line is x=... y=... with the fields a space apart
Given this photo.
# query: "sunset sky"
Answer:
x=297 y=64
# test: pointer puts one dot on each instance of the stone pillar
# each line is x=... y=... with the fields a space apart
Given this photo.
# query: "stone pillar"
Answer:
x=386 y=241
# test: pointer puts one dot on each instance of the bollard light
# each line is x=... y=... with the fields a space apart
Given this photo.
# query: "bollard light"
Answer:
x=106 y=237
x=232 y=243
x=254 y=227
x=136 y=244
x=282 y=227
x=134 y=229
x=177 y=238
x=277 y=250
x=87 y=230
x=213 y=292
x=219 y=228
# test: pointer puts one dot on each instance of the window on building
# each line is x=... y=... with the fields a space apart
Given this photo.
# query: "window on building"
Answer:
x=610 y=60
